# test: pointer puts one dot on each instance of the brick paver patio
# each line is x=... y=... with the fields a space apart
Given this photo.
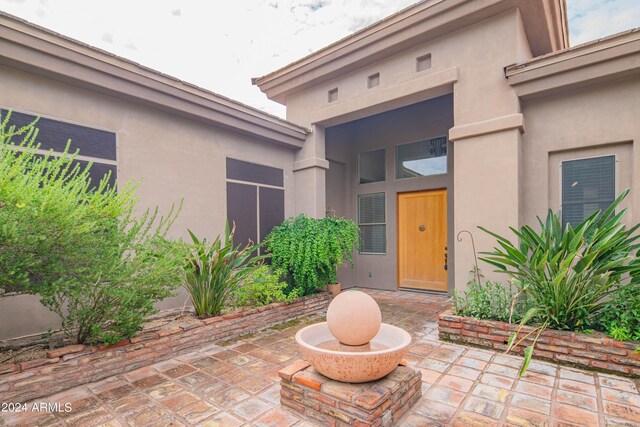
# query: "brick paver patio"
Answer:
x=236 y=384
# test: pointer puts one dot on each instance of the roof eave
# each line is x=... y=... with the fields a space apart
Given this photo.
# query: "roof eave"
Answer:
x=37 y=50
x=608 y=59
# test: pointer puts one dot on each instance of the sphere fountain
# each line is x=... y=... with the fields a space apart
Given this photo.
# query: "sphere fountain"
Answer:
x=353 y=345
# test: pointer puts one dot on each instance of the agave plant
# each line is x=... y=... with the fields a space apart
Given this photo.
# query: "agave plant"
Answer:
x=568 y=274
x=214 y=271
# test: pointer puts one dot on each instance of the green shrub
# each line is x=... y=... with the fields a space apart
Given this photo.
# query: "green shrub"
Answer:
x=141 y=268
x=263 y=288
x=81 y=250
x=568 y=274
x=488 y=300
x=620 y=317
x=214 y=271
x=309 y=250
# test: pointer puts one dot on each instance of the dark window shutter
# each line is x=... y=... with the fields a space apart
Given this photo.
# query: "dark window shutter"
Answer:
x=254 y=205
x=250 y=172
x=54 y=134
x=242 y=209
x=271 y=210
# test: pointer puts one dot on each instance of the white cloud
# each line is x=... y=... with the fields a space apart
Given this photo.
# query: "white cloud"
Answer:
x=221 y=45
x=594 y=19
x=216 y=45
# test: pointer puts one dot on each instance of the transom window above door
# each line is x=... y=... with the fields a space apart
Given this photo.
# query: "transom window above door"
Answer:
x=422 y=158
x=372 y=166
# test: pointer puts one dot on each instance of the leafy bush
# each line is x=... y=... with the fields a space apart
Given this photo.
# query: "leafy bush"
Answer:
x=141 y=268
x=620 y=317
x=488 y=300
x=309 y=250
x=80 y=249
x=263 y=288
x=214 y=271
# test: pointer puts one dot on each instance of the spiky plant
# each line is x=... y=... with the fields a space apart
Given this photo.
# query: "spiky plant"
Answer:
x=214 y=271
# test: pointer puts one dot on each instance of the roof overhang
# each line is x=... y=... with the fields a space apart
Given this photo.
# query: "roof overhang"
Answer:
x=609 y=59
x=544 y=23
x=36 y=50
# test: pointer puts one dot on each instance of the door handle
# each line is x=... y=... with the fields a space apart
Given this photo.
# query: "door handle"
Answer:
x=446 y=258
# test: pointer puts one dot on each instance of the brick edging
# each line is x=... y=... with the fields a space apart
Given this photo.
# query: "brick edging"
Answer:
x=74 y=365
x=591 y=351
x=373 y=404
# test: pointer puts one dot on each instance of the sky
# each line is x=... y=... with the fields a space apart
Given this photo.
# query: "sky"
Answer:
x=221 y=44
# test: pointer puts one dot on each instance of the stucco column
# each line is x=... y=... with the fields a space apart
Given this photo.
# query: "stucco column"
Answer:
x=487 y=193
x=309 y=171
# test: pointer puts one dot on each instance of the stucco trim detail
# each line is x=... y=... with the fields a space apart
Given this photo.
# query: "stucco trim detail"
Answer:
x=395 y=96
x=314 y=162
x=602 y=60
x=500 y=124
x=544 y=22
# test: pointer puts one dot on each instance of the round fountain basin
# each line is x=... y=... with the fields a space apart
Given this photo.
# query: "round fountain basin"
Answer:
x=353 y=364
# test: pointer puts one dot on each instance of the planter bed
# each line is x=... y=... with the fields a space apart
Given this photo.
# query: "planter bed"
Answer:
x=74 y=365
x=591 y=351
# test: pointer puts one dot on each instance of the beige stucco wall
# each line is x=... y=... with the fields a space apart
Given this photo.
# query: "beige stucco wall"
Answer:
x=593 y=121
x=176 y=158
x=479 y=53
x=468 y=63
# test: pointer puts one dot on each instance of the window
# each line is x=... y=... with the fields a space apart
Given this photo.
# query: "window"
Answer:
x=93 y=145
x=372 y=222
x=371 y=166
x=588 y=185
x=422 y=158
x=255 y=199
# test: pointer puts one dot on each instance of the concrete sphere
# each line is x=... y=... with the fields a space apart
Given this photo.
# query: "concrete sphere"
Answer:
x=354 y=318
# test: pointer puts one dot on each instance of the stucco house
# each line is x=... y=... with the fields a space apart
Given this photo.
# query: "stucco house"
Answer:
x=447 y=115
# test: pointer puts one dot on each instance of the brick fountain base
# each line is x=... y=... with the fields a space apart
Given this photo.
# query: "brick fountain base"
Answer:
x=378 y=403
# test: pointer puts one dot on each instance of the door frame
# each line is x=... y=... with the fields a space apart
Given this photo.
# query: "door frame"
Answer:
x=447 y=235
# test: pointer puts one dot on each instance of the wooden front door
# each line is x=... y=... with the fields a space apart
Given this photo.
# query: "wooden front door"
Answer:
x=422 y=240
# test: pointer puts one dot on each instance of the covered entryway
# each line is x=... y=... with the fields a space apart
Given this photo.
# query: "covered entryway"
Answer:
x=389 y=169
x=379 y=105
x=422 y=240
